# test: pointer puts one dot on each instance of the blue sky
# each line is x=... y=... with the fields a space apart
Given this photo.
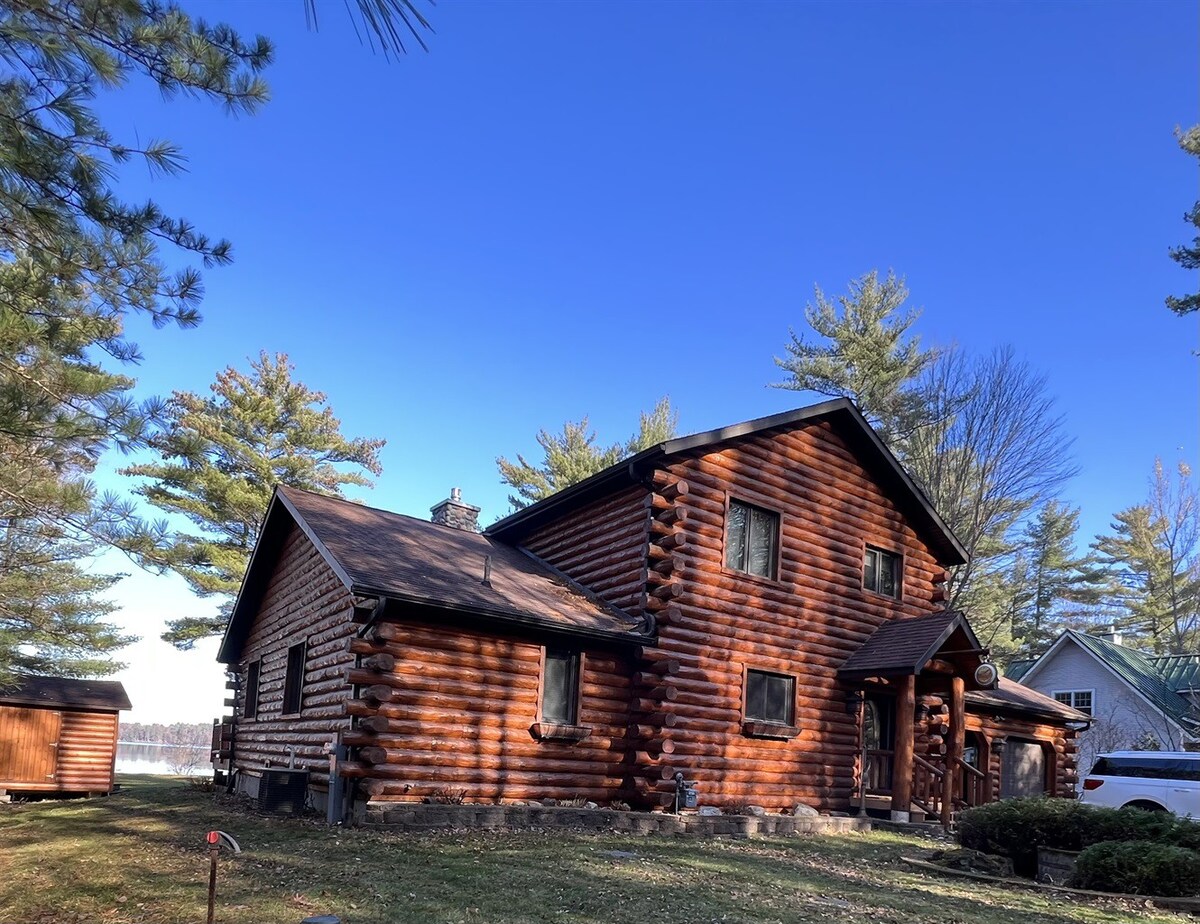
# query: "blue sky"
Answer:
x=574 y=208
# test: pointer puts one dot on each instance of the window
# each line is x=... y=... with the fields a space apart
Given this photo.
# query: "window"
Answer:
x=251 y=704
x=293 y=684
x=770 y=697
x=751 y=539
x=1076 y=699
x=1153 y=768
x=560 y=688
x=881 y=572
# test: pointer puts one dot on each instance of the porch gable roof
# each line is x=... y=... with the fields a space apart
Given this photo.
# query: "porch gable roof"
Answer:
x=904 y=646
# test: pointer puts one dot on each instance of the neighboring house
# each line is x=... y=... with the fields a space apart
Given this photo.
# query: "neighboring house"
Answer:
x=754 y=609
x=59 y=735
x=1135 y=699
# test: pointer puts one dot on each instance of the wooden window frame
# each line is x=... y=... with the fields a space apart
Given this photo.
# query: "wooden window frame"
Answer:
x=764 y=728
x=1073 y=693
x=545 y=730
x=297 y=707
x=253 y=685
x=899 y=556
x=737 y=497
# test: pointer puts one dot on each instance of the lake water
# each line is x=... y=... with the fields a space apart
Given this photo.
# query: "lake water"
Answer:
x=161 y=759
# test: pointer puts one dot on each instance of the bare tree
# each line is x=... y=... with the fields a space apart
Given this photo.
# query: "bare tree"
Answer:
x=994 y=450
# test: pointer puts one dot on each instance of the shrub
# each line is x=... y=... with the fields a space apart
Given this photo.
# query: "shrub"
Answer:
x=1016 y=828
x=1140 y=868
x=447 y=796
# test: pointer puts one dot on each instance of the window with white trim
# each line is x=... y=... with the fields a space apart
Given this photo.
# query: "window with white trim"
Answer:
x=1076 y=699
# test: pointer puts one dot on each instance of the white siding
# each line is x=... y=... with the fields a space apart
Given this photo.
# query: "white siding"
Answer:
x=1121 y=715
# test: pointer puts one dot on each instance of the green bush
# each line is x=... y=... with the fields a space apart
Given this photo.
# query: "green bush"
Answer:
x=1016 y=828
x=1140 y=868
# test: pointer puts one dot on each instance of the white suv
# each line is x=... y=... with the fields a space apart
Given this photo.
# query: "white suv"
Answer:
x=1155 y=780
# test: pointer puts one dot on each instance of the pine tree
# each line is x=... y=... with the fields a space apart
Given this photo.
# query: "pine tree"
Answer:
x=75 y=262
x=1153 y=552
x=1188 y=255
x=573 y=455
x=1057 y=586
x=220 y=458
x=867 y=352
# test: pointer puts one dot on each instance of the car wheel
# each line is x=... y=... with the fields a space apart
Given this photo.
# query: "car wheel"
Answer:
x=1145 y=805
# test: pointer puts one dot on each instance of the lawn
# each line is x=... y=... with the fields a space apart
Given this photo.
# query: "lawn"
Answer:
x=139 y=856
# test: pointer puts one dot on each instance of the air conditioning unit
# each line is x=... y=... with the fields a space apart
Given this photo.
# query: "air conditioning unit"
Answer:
x=282 y=791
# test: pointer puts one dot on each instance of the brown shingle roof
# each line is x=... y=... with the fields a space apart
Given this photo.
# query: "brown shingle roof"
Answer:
x=1009 y=694
x=379 y=553
x=66 y=692
x=902 y=646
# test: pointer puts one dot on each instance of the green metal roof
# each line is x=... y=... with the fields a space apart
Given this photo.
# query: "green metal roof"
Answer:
x=1143 y=673
x=1179 y=672
x=1017 y=669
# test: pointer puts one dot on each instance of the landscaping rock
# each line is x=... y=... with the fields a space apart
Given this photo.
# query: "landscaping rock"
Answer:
x=973 y=861
x=756 y=810
x=708 y=810
x=804 y=810
x=322 y=919
x=619 y=854
x=590 y=805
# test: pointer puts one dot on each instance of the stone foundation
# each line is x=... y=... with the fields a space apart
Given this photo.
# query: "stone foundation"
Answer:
x=402 y=816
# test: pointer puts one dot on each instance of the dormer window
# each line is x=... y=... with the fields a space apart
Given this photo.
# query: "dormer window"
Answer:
x=752 y=540
x=881 y=572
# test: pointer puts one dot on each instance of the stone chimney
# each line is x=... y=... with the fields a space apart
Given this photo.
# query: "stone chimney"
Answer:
x=453 y=512
x=1112 y=635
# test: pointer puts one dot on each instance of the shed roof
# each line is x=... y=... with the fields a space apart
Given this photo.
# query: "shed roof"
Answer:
x=840 y=412
x=66 y=692
x=903 y=646
x=1008 y=694
x=377 y=553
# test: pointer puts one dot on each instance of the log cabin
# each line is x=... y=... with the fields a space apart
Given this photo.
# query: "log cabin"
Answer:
x=758 y=610
x=59 y=735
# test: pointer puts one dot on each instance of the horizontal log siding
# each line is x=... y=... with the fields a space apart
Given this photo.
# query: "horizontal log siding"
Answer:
x=83 y=759
x=806 y=623
x=602 y=546
x=460 y=712
x=1059 y=740
x=304 y=602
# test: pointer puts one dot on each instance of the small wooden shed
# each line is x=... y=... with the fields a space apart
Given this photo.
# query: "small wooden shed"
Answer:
x=59 y=735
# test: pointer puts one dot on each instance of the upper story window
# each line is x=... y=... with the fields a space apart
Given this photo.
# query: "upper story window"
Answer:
x=293 y=683
x=770 y=697
x=752 y=539
x=1076 y=699
x=881 y=572
x=560 y=688
x=253 y=669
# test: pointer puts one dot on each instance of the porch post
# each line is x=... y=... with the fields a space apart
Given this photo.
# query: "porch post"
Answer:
x=958 y=740
x=902 y=767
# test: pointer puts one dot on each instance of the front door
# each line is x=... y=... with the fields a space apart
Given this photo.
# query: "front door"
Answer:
x=28 y=746
x=879 y=730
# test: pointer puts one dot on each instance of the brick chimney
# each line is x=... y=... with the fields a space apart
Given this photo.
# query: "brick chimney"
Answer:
x=453 y=512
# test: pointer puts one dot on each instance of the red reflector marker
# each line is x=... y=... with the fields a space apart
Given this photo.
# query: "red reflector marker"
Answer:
x=212 y=835
x=1092 y=783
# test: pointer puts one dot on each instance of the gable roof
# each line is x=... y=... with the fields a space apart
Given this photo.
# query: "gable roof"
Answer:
x=903 y=646
x=840 y=412
x=1010 y=695
x=66 y=692
x=1137 y=670
x=376 y=553
x=1179 y=672
x=1018 y=669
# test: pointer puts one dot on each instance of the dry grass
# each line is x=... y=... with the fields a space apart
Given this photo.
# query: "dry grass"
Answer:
x=139 y=856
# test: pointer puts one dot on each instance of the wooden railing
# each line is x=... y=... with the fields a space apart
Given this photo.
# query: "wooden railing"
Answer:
x=973 y=785
x=927 y=785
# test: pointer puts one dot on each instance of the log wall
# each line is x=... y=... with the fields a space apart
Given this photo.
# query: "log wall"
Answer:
x=304 y=602
x=716 y=623
x=602 y=546
x=456 y=709
x=57 y=750
x=1059 y=742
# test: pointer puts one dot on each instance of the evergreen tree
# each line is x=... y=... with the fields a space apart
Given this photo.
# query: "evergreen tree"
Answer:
x=866 y=352
x=1056 y=586
x=1153 y=552
x=572 y=455
x=220 y=458
x=75 y=262
x=1188 y=255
